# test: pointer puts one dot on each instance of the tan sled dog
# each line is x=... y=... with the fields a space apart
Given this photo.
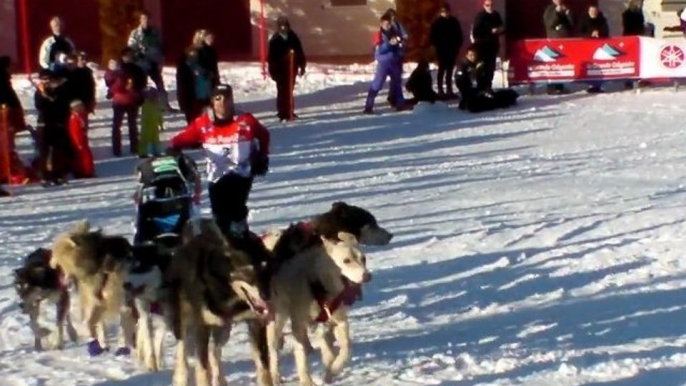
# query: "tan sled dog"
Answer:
x=341 y=268
x=99 y=264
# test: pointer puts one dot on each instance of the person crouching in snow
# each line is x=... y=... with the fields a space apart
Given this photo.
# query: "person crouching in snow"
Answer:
x=388 y=53
x=420 y=84
x=472 y=80
x=151 y=124
x=82 y=166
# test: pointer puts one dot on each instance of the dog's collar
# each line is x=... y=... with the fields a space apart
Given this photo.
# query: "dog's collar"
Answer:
x=306 y=226
x=61 y=278
x=347 y=297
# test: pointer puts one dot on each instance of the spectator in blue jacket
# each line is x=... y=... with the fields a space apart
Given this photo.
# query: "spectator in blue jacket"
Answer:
x=388 y=52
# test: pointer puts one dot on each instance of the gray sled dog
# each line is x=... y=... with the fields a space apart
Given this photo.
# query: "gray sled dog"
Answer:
x=36 y=283
x=206 y=288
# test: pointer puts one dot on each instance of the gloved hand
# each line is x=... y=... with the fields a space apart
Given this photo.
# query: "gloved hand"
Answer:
x=172 y=151
x=260 y=166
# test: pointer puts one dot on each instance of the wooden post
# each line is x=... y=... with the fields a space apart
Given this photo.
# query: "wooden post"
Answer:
x=291 y=83
x=263 y=40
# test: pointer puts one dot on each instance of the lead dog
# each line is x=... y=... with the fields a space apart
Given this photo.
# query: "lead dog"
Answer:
x=341 y=268
x=36 y=282
x=341 y=217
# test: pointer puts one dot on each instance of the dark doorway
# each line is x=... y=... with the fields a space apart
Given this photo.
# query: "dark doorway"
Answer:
x=228 y=20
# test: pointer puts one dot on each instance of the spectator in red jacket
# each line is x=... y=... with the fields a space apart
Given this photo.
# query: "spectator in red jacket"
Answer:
x=126 y=82
x=83 y=166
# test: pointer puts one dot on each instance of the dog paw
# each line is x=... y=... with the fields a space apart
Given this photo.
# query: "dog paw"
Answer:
x=122 y=351
x=328 y=377
x=95 y=349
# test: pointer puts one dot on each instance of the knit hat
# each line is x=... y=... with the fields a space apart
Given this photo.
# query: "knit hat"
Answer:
x=222 y=89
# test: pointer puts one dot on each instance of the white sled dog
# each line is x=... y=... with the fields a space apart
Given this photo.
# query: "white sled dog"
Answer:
x=340 y=268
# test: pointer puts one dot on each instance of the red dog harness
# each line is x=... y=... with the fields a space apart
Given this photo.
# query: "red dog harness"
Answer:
x=155 y=307
x=348 y=296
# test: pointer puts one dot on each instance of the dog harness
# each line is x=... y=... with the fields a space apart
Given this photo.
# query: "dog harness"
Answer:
x=155 y=307
x=304 y=225
x=348 y=296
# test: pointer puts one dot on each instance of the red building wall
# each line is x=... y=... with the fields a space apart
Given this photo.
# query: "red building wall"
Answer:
x=81 y=25
x=229 y=20
x=8 y=31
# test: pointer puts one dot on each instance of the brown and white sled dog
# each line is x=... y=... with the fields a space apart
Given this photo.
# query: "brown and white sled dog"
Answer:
x=36 y=282
x=340 y=267
x=210 y=285
x=99 y=264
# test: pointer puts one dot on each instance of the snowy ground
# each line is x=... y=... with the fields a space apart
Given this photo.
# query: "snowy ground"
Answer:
x=534 y=246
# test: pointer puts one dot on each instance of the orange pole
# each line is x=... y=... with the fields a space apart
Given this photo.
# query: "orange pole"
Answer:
x=5 y=144
x=23 y=19
x=263 y=40
x=291 y=83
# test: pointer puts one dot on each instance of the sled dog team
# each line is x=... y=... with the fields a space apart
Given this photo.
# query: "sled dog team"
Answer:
x=200 y=287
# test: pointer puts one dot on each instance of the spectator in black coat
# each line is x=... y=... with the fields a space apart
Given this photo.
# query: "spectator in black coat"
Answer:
x=420 y=84
x=558 y=22
x=594 y=25
x=7 y=94
x=633 y=22
x=208 y=58
x=286 y=60
x=84 y=82
x=52 y=103
x=488 y=27
x=446 y=37
x=15 y=112
x=473 y=82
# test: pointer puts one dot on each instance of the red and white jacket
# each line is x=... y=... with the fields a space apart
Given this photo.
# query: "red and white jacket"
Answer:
x=230 y=148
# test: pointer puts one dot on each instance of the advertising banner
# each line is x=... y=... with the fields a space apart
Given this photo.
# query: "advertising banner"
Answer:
x=663 y=58
x=569 y=60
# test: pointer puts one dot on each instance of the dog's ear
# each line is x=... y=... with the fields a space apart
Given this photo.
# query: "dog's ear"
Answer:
x=74 y=241
x=243 y=273
x=82 y=226
x=347 y=238
x=328 y=243
x=338 y=205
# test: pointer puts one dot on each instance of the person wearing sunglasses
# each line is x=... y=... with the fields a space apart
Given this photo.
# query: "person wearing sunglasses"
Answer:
x=237 y=149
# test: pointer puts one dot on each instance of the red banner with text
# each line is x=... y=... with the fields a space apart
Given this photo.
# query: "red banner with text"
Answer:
x=574 y=59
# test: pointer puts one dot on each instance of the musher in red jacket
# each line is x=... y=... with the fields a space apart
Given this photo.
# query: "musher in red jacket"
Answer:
x=237 y=150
